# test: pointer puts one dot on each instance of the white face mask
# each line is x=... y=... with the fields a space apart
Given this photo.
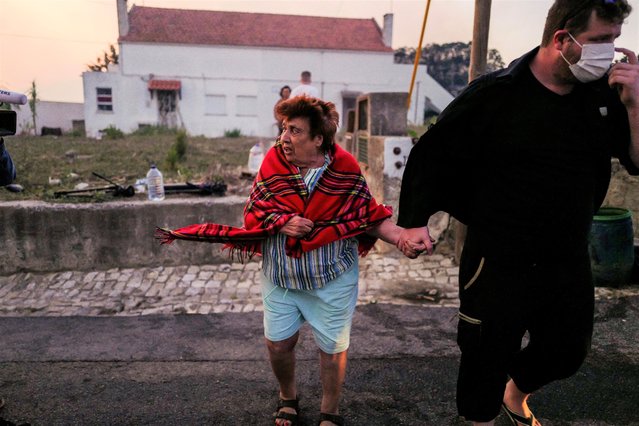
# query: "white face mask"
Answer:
x=595 y=61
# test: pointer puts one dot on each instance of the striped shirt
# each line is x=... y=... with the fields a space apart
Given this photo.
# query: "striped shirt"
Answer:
x=314 y=268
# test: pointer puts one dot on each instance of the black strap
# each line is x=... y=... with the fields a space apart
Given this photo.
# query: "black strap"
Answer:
x=334 y=418
x=514 y=417
x=287 y=416
x=288 y=403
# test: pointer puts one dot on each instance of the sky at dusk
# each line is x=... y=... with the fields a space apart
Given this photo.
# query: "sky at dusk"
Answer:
x=52 y=41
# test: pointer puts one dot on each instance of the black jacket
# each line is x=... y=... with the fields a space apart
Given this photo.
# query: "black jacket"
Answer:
x=444 y=168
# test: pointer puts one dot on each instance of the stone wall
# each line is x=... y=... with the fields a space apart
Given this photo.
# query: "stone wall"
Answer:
x=39 y=236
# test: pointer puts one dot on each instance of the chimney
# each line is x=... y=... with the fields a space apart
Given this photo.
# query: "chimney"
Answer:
x=387 y=31
x=123 y=18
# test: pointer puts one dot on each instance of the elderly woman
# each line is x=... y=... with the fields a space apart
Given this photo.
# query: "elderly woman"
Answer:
x=309 y=214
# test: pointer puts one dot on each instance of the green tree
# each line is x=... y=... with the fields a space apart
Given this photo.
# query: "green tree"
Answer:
x=495 y=60
x=102 y=62
x=448 y=63
x=405 y=55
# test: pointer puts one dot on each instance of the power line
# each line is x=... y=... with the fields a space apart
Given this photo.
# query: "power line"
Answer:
x=55 y=39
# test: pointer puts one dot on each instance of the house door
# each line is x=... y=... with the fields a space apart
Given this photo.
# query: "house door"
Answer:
x=167 y=108
x=349 y=100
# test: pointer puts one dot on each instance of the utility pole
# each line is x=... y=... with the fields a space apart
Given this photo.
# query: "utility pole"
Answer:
x=478 y=59
x=479 y=47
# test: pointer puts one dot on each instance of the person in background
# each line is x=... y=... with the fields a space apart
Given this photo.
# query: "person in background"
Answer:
x=305 y=87
x=285 y=92
x=7 y=169
x=522 y=157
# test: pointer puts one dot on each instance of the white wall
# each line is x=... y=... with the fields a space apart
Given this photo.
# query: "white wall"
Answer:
x=48 y=114
x=242 y=76
x=96 y=120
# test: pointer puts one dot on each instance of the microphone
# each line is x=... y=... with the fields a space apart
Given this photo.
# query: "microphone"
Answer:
x=12 y=97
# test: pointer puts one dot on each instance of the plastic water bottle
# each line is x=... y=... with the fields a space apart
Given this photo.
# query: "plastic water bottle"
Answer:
x=256 y=155
x=155 y=184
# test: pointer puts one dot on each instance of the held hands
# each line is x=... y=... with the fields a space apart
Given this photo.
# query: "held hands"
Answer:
x=297 y=227
x=413 y=241
x=625 y=77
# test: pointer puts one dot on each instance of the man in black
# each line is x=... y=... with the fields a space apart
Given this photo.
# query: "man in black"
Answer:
x=522 y=157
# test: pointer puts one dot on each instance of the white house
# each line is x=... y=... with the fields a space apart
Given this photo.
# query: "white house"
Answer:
x=65 y=116
x=213 y=72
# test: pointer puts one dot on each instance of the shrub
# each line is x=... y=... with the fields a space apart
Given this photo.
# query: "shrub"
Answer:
x=112 y=132
x=154 y=130
x=177 y=152
x=171 y=161
x=75 y=133
x=180 y=144
x=235 y=133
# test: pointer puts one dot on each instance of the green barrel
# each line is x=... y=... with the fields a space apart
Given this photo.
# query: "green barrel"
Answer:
x=612 y=247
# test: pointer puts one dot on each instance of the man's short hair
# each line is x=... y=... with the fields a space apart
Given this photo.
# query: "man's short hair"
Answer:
x=322 y=116
x=574 y=15
x=306 y=75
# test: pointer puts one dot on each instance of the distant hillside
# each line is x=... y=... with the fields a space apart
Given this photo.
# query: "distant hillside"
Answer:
x=448 y=63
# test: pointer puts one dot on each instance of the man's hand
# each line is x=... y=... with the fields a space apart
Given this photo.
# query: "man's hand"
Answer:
x=413 y=241
x=297 y=227
x=625 y=77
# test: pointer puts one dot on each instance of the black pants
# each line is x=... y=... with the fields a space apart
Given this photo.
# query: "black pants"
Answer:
x=501 y=300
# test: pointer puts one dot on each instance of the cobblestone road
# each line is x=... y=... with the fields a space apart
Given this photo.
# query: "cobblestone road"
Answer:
x=228 y=287
x=203 y=289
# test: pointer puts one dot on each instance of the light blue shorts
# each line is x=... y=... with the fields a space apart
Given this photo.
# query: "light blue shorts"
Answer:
x=328 y=310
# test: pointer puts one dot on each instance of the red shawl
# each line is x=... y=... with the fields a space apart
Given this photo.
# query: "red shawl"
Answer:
x=340 y=206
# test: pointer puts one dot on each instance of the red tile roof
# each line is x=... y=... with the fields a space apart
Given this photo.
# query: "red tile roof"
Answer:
x=181 y=26
x=164 y=85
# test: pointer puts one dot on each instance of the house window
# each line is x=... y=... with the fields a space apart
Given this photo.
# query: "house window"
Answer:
x=105 y=100
x=215 y=104
x=247 y=106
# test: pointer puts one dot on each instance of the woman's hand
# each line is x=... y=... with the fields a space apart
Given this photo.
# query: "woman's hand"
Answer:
x=413 y=241
x=297 y=227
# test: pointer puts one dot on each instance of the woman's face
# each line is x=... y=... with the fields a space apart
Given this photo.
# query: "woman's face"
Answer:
x=300 y=148
x=286 y=92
